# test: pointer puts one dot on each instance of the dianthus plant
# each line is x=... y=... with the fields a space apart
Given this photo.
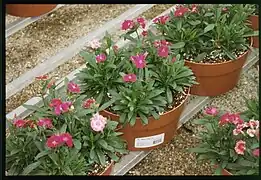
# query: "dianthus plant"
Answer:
x=66 y=136
x=199 y=30
x=229 y=141
x=142 y=80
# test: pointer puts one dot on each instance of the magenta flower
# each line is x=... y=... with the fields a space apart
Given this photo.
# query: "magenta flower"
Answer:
x=163 y=51
x=98 y=122
x=127 y=24
x=67 y=139
x=20 y=123
x=139 y=60
x=87 y=104
x=46 y=122
x=55 y=102
x=161 y=20
x=144 y=33
x=141 y=21
x=211 y=111
x=194 y=8
x=74 y=88
x=100 y=58
x=224 y=119
x=129 y=78
x=62 y=108
x=180 y=11
x=54 y=141
x=173 y=59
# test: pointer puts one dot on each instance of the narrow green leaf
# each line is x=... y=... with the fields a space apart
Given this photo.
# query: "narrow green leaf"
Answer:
x=103 y=143
x=144 y=119
x=63 y=129
x=155 y=115
x=41 y=154
x=30 y=168
x=178 y=45
x=209 y=28
x=169 y=96
x=106 y=105
x=77 y=144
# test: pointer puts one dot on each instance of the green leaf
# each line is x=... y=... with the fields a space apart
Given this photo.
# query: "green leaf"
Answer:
x=254 y=146
x=122 y=118
x=200 y=57
x=15 y=151
x=178 y=45
x=133 y=120
x=107 y=104
x=218 y=171
x=144 y=119
x=77 y=144
x=155 y=115
x=113 y=156
x=169 y=96
x=200 y=121
x=251 y=172
x=101 y=156
x=103 y=143
x=30 y=168
x=63 y=129
x=208 y=14
x=111 y=124
x=41 y=154
x=84 y=112
x=209 y=28
x=194 y=23
x=199 y=150
x=68 y=171
x=33 y=108
x=92 y=153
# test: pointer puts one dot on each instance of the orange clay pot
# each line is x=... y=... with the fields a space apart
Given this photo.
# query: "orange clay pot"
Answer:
x=107 y=171
x=224 y=172
x=216 y=79
x=29 y=10
x=157 y=132
x=255 y=26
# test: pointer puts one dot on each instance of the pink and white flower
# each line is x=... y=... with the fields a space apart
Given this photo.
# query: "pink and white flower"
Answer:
x=62 y=108
x=98 y=122
x=253 y=124
x=240 y=147
x=211 y=111
x=141 y=21
x=130 y=78
x=163 y=51
x=100 y=58
x=127 y=24
x=74 y=88
x=251 y=132
x=139 y=60
x=45 y=122
x=95 y=44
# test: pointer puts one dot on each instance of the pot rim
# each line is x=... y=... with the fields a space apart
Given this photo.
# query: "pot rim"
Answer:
x=109 y=166
x=227 y=62
x=173 y=109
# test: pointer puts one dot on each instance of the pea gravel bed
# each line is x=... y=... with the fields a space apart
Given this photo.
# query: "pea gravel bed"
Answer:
x=61 y=71
x=173 y=159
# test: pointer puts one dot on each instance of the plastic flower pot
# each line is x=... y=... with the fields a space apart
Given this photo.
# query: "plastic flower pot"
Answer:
x=216 y=79
x=255 y=26
x=156 y=133
x=29 y=10
x=224 y=172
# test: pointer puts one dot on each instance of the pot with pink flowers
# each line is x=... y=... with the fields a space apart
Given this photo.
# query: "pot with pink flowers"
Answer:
x=229 y=141
x=67 y=136
x=140 y=86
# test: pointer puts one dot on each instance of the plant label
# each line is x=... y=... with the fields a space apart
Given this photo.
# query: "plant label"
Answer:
x=145 y=142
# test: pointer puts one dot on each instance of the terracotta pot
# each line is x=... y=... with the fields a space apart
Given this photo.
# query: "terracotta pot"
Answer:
x=108 y=170
x=216 y=79
x=29 y=10
x=157 y=132
x=224 y=172
x=255 y=26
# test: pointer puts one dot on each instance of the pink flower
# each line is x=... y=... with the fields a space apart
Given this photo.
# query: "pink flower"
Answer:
x=130 y=78
x=98 y=122
x=62 y=108
x=139 y=60
x=224 y=9
x=180 y=11
x=19 y=123
x=194 y=8
x=54 y=141
x=43 y=77
x=67 y=139
x=87 y=104
x=254 y=124
x=235 y=119
x=50 y=84
x=251 y=132
x=144 y=33
x=161 y=20
x=46 y=122
x=30 y=123
x=165 y=43
x=100 y=58
x=255 y=152
x=115 y=49
x=211 y=111
x=55 y=102
x=141 y=21
x=74 y=88
x=240 y=147
x=95 y=44
x=173 y=59
x=224 y=119
x=127 y=24
x=237 y=131
x=156 y=44
x=163 y=51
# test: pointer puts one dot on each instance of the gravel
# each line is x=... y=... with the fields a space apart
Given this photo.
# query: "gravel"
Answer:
x=14 y=70
x=172 y=158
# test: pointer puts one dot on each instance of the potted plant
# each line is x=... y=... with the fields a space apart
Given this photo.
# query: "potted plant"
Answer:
x=229 y=142
x=213 y=41
x=64 y=137
x=254 y=21
x=137 y=85
x=29 y=10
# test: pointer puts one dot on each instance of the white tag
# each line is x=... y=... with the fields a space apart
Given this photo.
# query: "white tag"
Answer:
x=144 y=142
